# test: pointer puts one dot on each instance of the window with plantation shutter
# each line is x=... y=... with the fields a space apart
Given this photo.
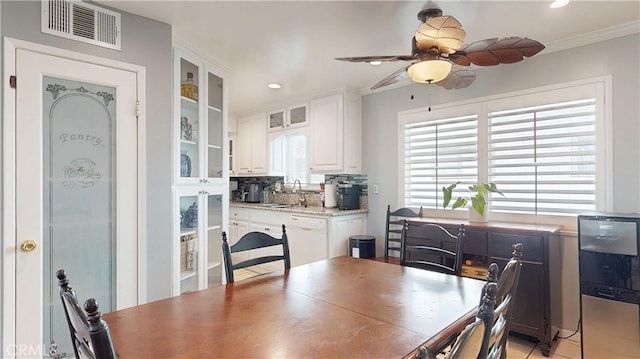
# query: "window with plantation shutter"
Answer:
x=548 y=150
x=544 y=158
x=437 y=153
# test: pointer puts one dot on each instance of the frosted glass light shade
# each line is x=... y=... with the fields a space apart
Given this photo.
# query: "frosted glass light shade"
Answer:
x=429 y=71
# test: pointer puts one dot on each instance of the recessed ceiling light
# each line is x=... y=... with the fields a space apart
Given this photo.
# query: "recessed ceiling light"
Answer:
x=274 y=86
x=559 y=3
x=375 y=63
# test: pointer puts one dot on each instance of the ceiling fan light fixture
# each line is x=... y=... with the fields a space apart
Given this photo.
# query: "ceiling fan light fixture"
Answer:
x=429 y=71
x=274 y=86
x=375 y=62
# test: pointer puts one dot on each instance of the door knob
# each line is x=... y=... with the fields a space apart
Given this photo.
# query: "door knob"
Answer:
x=28 y=245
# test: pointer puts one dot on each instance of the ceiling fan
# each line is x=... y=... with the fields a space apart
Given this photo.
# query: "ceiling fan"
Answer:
x=438 y=55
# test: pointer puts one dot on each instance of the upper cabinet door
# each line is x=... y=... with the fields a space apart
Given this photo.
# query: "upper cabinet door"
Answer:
x=200 y=117
x=294 y=116
x=276 y=120
x=298 y=115
x=214 y=137
x=327 y=134
x=251 y=149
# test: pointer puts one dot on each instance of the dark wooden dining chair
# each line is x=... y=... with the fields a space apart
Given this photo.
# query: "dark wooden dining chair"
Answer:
x=254 y=240
x=472 y=341
x=90 y=334
x=432 y=247
x=393 y=231
x=505 y=300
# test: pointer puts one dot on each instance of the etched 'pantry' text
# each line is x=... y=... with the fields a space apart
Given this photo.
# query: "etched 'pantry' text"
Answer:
x=93 y=140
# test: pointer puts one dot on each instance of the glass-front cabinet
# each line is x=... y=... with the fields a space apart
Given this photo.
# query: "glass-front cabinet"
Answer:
x=201 y=172
x=198 y=236
x=293 y=116
x=199 y=118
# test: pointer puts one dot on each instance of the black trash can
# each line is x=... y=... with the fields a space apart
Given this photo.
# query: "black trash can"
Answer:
x=362 y=246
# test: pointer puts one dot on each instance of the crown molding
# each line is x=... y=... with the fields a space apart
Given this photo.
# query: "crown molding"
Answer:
x=605 y=34
x=593 y=37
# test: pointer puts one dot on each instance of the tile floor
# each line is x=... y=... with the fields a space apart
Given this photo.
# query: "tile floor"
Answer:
x=518 y=347
x=240 y=274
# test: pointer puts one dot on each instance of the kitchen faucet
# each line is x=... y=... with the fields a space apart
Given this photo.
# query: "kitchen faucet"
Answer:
x=301 y=199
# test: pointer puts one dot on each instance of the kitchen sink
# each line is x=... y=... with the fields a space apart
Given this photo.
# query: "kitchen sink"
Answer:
x=276 y=205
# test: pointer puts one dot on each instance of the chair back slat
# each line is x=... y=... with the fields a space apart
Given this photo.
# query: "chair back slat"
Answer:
x=472 y=341
x=507 y=286
x=255 y=241
x=393 y=230
x=99 y=331
x=90 y=334
x=250 y=241
x=425 y=246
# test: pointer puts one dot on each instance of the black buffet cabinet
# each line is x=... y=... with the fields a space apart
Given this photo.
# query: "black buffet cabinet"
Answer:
x=537 y=311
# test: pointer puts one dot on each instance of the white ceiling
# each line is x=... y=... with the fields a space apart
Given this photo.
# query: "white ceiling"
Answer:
x=295 y=42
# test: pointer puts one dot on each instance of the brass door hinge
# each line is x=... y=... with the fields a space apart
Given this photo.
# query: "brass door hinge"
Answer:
x=13 y=81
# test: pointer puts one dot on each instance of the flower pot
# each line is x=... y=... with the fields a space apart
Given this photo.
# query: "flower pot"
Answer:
x=475 y=217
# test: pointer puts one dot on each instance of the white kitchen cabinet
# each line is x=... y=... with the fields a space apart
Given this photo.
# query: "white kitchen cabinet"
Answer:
x=270 y=223
x=307 y=235
x=200 y=184
x=335 y=142
x=293 y=116
x=251 y=150
x=340 y=228
x=238 y=227
x=200 y=118
x=276 y=120
x=273 y=230
x=233 y=141
x=353 y=134
x=198 y=219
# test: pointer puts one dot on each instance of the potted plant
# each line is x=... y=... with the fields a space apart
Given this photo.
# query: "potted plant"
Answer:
x=478 y=199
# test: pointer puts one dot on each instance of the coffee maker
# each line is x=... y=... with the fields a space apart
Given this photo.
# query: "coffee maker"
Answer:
x=350 y=196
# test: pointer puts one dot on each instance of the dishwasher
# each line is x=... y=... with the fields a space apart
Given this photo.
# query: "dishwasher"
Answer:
x=308 y=239
x=609 y=269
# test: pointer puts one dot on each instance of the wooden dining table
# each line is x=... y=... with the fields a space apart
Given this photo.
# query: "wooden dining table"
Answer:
x=336 y=308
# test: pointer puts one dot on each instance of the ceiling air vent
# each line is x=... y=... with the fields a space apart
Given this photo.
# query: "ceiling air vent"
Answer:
x=81 y=21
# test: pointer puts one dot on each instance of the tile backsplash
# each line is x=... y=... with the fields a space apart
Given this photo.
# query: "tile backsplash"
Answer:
x=286 y=195
x=360 y=180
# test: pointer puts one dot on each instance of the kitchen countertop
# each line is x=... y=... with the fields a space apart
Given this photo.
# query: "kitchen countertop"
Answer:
x=312 y=210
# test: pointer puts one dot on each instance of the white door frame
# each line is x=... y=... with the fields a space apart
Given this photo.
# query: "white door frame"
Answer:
x=8 y=176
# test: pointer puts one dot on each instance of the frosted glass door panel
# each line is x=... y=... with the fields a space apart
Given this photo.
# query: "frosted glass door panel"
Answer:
x=79 y=198
x=189 y=243
x=214 y=127
x=189 y=120
x=214 y=243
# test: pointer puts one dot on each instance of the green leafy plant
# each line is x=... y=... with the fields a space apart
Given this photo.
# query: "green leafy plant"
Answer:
x=478 y=200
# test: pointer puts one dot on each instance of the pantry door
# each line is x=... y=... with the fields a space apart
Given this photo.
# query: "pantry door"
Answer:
x=76 y=193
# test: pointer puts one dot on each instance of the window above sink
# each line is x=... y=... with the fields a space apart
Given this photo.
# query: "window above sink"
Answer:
x=289 y=157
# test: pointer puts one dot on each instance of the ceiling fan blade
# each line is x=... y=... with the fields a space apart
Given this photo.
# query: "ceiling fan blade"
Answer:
x=495 y=51
x=459 y=77
x=443 y=32
x=377 y=58
x=393 y=78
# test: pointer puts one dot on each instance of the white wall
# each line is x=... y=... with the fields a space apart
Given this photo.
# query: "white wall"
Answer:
x=618 y=57
x=147 y=43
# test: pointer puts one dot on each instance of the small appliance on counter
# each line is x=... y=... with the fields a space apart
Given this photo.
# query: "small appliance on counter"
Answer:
x=350 y=194
x=253 y=196
x=265 y=195
x=330 y=195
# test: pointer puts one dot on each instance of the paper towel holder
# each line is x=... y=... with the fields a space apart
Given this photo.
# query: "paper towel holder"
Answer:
x=330 y=195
